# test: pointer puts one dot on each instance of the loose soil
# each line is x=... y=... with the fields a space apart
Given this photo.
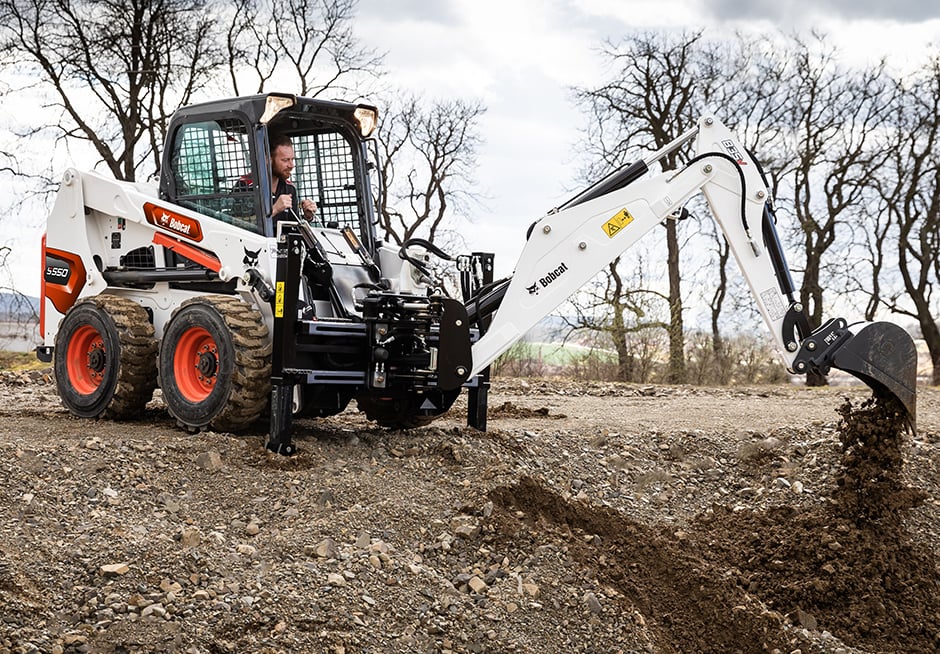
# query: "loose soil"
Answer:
x=590 y=517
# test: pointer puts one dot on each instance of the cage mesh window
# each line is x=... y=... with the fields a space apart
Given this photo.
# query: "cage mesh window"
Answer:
x=324 y=172
x=212 y=163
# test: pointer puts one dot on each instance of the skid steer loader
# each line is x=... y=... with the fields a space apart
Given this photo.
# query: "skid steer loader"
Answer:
x=191 y=286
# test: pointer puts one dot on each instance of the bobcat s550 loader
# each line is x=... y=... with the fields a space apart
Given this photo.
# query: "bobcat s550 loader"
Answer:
x=192 y=288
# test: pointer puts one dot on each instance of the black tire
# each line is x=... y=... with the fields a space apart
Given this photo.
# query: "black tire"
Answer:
x=215 y=364
x=409 y=411
x=105 y=358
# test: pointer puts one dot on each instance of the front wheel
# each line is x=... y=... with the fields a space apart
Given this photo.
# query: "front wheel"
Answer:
x=105 y=358
x=215 y=364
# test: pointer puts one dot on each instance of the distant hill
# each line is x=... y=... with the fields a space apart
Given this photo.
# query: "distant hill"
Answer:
x=549 y=329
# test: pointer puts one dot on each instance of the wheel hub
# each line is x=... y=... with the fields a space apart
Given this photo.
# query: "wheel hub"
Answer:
x=96 y=360
x=207 y=363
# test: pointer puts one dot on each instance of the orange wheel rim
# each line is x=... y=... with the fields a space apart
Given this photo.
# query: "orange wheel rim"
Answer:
x=196 y=364
x=86 y=360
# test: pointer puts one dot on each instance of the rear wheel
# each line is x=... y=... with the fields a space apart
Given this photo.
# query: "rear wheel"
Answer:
x=215 y=364
x=105 y=358
x=408 y=412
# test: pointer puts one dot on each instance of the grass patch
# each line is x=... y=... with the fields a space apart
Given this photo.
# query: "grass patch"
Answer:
x=20 y=361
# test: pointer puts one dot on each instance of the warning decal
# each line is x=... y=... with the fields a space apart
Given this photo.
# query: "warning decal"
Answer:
x=279 y=300
x=620 y=220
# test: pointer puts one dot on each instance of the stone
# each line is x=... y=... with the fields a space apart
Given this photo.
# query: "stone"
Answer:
x=477 y=585
x=157 y=610
x=326 y=549
x=593 y=604
x=532 y=590
x=210 y=461
x=335 y=579
x=74 y=640
x=363 y=541
x=168 y=586
x=114 y=569
x=191 y=538
x=252 y=529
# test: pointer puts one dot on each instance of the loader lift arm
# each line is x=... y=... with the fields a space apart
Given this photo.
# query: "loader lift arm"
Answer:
x=574 y=242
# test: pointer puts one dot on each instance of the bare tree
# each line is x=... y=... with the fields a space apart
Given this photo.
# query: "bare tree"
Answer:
x=428 y=157
x=309 y=45
x=113 y=70
x=912 y=206
x=615 y=307
x=651 y=99
x=836 y=114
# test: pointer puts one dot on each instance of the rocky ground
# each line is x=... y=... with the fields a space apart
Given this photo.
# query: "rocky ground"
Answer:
x=589 y=518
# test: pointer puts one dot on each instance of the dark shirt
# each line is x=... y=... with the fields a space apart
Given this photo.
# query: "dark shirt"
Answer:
x=285 y=188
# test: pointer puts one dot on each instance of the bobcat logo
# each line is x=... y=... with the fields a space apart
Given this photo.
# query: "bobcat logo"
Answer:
x=533 y=290
x=251 y=258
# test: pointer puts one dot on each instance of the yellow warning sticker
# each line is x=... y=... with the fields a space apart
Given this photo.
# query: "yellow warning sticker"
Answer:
x=620 y=220
x=279 y=300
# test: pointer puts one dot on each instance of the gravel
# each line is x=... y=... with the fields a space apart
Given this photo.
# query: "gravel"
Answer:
x=591 y=517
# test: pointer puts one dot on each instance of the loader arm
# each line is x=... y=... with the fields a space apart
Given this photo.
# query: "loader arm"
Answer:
x=570 y=245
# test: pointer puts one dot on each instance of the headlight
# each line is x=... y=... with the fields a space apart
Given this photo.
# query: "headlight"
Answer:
x=275 y=103
x=367 y=118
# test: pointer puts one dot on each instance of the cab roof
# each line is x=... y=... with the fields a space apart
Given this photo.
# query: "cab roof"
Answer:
x=263 y=107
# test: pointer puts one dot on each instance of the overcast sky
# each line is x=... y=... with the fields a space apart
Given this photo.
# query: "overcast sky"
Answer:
x=522 y=57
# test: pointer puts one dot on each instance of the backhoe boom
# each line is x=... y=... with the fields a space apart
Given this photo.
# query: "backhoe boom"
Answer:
x=570 y=245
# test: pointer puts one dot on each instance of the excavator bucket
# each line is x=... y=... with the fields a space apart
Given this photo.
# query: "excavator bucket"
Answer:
x=883 y=356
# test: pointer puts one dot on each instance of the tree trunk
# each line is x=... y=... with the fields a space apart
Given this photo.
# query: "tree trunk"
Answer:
x=676 y=373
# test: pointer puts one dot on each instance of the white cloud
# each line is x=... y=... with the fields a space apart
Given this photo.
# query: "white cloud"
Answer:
x=908 y=11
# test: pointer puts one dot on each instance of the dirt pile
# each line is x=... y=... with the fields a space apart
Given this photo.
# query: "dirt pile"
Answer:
x=741 y=580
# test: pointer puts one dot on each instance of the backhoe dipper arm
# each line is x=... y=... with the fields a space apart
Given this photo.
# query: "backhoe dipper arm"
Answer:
x=570 y=245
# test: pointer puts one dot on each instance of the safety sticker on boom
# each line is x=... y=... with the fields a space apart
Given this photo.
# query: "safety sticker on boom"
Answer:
x=279 y=300
x=620 y=220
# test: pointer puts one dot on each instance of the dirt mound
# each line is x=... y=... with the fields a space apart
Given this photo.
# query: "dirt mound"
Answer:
x=693 y=607
x=737 y=580
x=515 y=411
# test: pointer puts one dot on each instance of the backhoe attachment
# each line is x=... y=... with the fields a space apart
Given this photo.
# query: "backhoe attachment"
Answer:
x=881 y=354
x=571 y=244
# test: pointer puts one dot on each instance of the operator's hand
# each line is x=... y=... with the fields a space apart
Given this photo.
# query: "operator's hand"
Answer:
x=309 y=208
x=282 y=203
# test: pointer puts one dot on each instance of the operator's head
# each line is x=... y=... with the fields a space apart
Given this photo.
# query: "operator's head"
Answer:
x=282 y=156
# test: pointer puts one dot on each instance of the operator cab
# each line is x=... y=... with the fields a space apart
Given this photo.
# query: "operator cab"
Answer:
x=217 y=160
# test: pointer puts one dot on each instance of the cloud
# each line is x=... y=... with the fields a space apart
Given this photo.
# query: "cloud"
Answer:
x=903 y=11
x=442 y=12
